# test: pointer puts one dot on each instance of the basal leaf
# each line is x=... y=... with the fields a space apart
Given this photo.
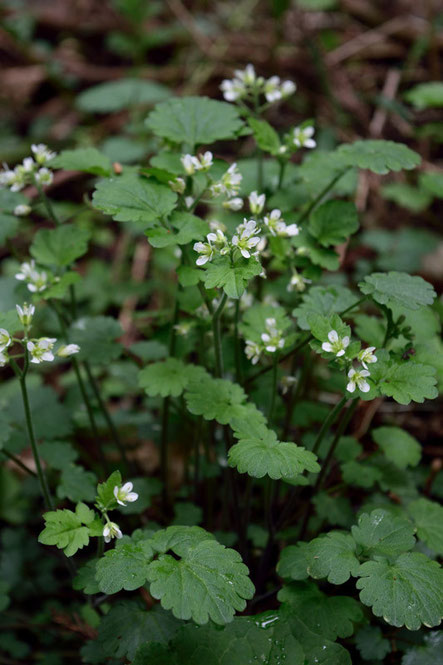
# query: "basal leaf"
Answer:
x=379 y=156
x=428 y=520
x=333 y=222
x=130 y=198
x=186 y=227
x=169 y=377
x=215 y=399
x=380 y=533
x=123 y=94
x=405 y=593
x=85 y=579
x=371 y=644
x=96 y=336
x=57 y=454
x=426 y=95
x=324 y=301
x=76 y=484
x=125 y=567
x=398 y=288
x=294 y=561
x=209 y=582
x=333 y=556
x=60 y=246
x=194 y=121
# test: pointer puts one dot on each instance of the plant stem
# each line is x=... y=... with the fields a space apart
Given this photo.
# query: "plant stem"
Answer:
x=47 y=203
x=273 y=388
x=267 y=368
x=217 y=337
x=320 y=196
x=18 y=461
x=105 y=412
x=330 y=419
x=237 y=349
x=40 y=472
x=281 y=174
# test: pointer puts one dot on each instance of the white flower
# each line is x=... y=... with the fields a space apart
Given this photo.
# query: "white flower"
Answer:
x=41 y=350
x=28 y=165
x=22 y=210
x=247 y=75
x=125 y=494
x=273 y=338
x=203 y=162
x=336 y=344
x=25 y=314
x=188 y=162
x=288 y=88
x=287 y=382
x=42 y=153
x=184 y=328
x=68 y=350
x=38 y=282
x=111 y=530
x=278 y=227
x=302 y=137
x=189 y=201
x=357 y=379
x=233 y=89
x=256 y=202
x=44 y=176
x=367 y=356
x=177 y=185
x=220 y=241
x=246 y=238
x=298 y=282
x=26 y=271
x=229 y=183
x=233 y=204
x=7 y=176
x=214 y=225
x=5 y=339
x=272 y=89
x=253 y=351
x=3 y=359
x=15 y=179
x=205 y=249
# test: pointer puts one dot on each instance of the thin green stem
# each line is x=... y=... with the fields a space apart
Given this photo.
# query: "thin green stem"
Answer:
x=31 y=435
x=217 y=336
x=330 y=419
x=18 y=461
x=267 y=368
x=273 y=389
x=47 y=203
x=322 y=194
x=281 y=174
x=237 y=349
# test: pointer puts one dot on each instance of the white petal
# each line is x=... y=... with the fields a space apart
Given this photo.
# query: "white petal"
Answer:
x=127 y=487
x=333 y=336
x=132 y=496
x=326 y=347
x=202 y=260
x=340 y=353
x=345 y=341
x=364 y=386
x=350 y=387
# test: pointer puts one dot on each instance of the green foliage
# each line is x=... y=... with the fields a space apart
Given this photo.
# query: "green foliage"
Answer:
x=404 y=593
x=215 y=399
x=398 y=288
x=404 y=381
x=125 y=567
x=333 y=556
x=194 y=121
x=398 y=446
x=67 y=530
x=333 y=222
x=61 y=246
x=232 y=278
x=371 y=643
x=105 y=491
x=169 y=377
x=428 y=519
x=266 y=137
x=96 y=337
x=427 y=654
x=262 y=454
x=122 y=94
x=381 y=534
x=130 y=198
x=89 y=160
x=186 y=227
x=426 y=95
x=379 y=156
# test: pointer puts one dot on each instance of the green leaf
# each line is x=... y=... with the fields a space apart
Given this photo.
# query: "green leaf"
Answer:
x=333 y=556
x=76 y=484
x=430 y=654
x=194 y=121
x=208 y=582
x=253 y=322
x=323 y=301
x=333 y=222
x=404 y=382
x=125 y=567
x=266 y=137
x=432 y=182
x=428 y=520
x=105 y=491
x=233 y=279
x=128 y=625
x=96 y=336
x=414 y=199
x=122 y=94
x=89 y=160
x=294 y=561
x=146 y=488
x=187 y=227
x=60 y=288
x=360 y=474
x=380 y=533
x=262 y=454
x=398 y=288
x=8 y=226
x=215 y=399
x=320 y=256
x=168 y=378
x=130 y=198
x=67 y=530
x=330 y=616
x=85 y=579
x=405 y=593
x=336 y=510
x=60 y=246
x=371 y=644
x=57 y=454
x=426 y=95
x=398 y=445
x=379 y=156
x=321 y=326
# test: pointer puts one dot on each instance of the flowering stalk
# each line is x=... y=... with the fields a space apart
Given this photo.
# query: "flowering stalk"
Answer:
x=217 y=337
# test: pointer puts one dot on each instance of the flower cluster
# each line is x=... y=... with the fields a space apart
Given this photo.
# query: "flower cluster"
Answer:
x=301 y=137
x=278 y=227
x=298 y=282
x=246 y=239
x=193 y=163
x=229 y=184
x=336 y=345
x=37 y=281
x=271 y=341
x=357 y=377
x=122 y=495
x=32 y=170
x=246 y=86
